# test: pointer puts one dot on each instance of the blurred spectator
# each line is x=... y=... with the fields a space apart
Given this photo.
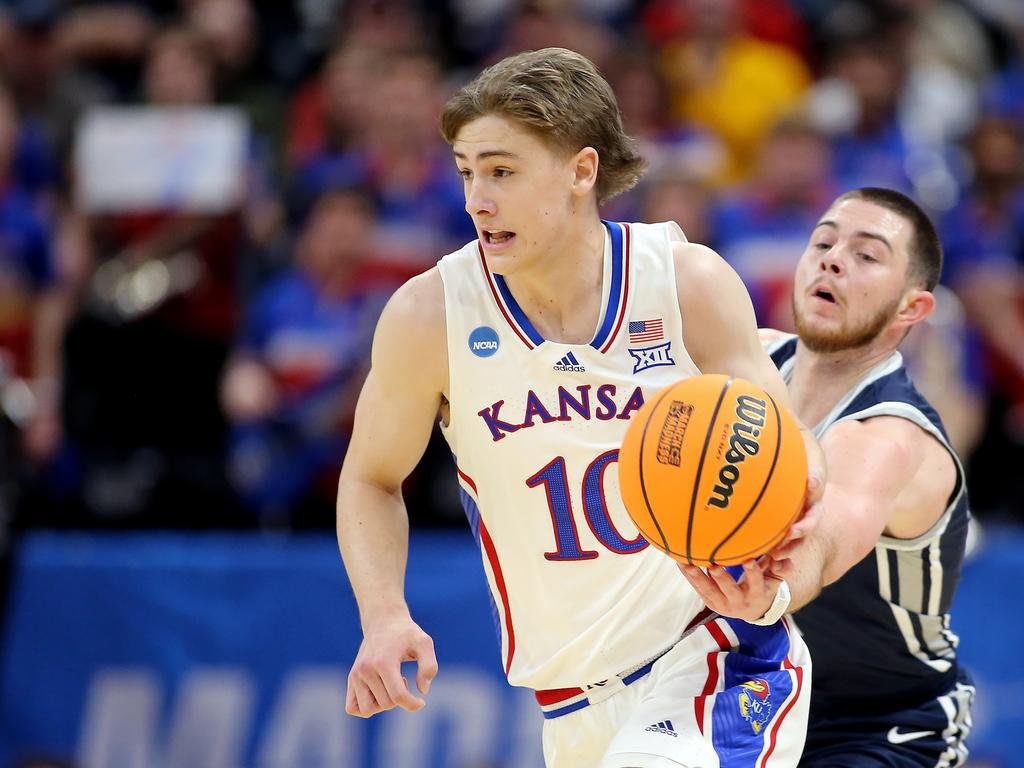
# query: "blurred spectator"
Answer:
x=728 y=81
x=775 y=21
x=949 y=57
x=162 y=300
x=302 y=355
x=329 y=112
x=664 y=141
x=107 y=38
x=536 y=24
x=400 y=159
x=859 y=105
x=1003 y=94
x=232 y=30
x=890 y=107
x=50 y=90
x=673 y=194
x=940 y=354
x=33 y=306
x=984 y=239
x=761 y=229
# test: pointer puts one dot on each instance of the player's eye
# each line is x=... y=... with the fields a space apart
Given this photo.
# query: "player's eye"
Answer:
x=502 y=173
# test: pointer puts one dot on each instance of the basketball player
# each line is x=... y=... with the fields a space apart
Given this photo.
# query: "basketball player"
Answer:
x=534 y=345
x=887 y=689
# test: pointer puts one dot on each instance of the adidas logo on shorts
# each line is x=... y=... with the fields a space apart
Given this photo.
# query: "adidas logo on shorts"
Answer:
x=663 y=727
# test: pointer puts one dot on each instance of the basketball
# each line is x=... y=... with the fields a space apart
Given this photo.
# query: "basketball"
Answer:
x=713 y=471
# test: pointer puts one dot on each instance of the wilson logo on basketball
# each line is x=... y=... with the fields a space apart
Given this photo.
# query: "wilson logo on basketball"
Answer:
x=670 y=441
x=742 y=443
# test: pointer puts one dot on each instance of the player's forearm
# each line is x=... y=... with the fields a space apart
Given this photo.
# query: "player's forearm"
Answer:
x=816 y=465
x=373 y=536
x=805 y=580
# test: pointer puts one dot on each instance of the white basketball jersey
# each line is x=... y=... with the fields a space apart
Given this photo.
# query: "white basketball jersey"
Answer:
x=535 y=427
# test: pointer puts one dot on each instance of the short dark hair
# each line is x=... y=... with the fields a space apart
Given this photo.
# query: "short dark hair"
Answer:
x=925 y=265
x=561 y=96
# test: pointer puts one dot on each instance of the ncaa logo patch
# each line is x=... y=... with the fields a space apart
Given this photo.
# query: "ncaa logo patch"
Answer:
x=483 y=341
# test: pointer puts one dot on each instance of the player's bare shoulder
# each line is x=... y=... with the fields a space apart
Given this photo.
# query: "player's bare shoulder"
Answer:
x=718 y=318
x=411 y=341
x=703 y=278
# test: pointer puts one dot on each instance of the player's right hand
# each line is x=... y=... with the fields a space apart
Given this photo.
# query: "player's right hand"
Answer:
x=375 y=682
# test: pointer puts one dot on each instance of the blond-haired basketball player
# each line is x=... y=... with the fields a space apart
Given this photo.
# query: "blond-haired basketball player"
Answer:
x=535 y=345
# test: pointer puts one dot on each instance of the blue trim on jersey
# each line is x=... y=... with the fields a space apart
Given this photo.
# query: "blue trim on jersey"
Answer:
x=632 y=677
x=762 y=644
x=552 y=714
x=615 y=294
x=473 y=516
x=472 y=513
x=513 y=306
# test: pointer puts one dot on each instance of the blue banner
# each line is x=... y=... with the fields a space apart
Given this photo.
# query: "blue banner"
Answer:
x=231 y=651
x=224 y=651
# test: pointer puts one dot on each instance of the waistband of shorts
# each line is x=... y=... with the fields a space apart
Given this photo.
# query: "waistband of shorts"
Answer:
x=557 y=702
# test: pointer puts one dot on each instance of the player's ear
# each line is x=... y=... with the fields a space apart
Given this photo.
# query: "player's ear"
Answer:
x=916 y=306
x=584 y=167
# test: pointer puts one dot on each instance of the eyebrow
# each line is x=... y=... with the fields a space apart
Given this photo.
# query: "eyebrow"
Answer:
x=490 y=153
x=859 y=233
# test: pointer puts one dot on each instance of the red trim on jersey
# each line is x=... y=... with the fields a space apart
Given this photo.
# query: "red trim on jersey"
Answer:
x=712 y=682
x=556 y=695
x=498 y=301
x=499 y=581
x=625 y=292
x=778 y=722
x=468 y=479
x=699 y=618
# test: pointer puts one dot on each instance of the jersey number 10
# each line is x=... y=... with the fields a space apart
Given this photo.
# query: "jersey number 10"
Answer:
x=595 y=509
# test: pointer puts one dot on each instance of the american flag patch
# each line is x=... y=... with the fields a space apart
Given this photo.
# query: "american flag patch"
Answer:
x=642 y=331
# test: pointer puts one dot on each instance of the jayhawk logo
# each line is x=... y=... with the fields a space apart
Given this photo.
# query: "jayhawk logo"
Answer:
x=754 y=703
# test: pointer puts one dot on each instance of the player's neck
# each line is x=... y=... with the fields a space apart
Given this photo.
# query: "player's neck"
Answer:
x=561 y=292
x=821 y=379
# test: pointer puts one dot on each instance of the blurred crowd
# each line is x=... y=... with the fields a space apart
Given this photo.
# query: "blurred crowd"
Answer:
x=205 y=204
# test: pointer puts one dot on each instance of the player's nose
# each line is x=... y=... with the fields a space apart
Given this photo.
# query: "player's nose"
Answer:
x=832 y=261
x=478 y=202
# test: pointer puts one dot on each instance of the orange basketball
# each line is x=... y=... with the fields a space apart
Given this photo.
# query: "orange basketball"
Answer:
x=713 y=471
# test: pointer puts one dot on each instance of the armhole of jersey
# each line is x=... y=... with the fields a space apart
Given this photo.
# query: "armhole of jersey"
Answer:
x=914 y=416
x=449 y=349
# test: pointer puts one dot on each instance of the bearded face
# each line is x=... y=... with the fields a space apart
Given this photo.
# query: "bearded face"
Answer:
x=850 y=333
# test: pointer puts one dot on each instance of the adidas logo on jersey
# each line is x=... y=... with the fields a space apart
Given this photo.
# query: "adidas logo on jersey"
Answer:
x=569 y=363
x=663 y=727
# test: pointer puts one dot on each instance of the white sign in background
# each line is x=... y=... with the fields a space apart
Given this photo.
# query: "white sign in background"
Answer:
x=161 y=158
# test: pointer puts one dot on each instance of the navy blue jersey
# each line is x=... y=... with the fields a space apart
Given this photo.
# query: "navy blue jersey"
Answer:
x=880 y=636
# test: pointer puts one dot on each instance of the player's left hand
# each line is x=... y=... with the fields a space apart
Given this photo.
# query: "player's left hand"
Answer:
x=748 y=599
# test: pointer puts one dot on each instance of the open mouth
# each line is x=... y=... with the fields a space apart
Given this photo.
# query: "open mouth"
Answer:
x=825 y=295
x=498 y=237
